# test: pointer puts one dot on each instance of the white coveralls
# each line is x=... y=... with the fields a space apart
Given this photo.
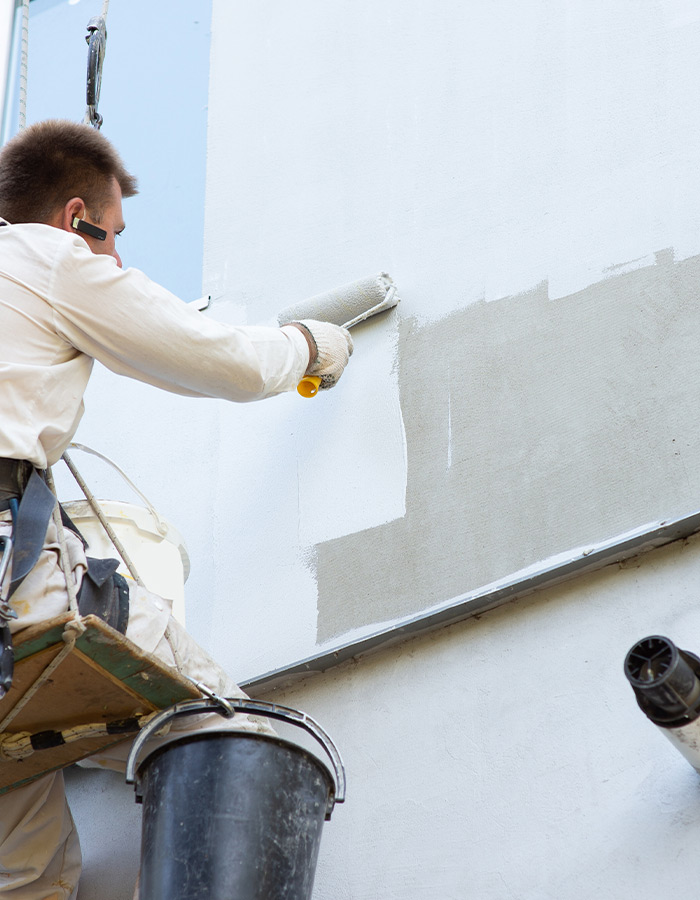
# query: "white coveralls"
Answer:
x=62 y=307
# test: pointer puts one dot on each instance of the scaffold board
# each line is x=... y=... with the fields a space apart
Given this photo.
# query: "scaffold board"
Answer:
x=105 y=677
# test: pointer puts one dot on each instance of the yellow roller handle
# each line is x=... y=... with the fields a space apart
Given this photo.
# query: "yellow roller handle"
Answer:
x=308 y=386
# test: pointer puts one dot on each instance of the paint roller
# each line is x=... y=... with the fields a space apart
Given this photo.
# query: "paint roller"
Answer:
x=347 y=305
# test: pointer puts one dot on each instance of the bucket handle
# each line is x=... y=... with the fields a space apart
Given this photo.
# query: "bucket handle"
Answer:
x=227 y=707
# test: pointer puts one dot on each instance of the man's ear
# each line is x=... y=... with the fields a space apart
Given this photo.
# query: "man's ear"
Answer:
x=72 y=219
x=74 y=209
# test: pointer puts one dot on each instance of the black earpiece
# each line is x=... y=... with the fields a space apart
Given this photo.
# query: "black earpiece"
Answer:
x=87 y=228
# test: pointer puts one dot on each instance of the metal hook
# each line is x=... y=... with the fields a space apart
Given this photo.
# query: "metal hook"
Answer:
x=6 y=611
x=96 y=39
x=7 y=656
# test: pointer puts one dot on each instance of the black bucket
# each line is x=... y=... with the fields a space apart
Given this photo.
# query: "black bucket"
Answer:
x=232 y=815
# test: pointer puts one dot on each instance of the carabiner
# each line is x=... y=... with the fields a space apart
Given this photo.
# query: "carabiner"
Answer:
x=96 y=40
x=7 y=653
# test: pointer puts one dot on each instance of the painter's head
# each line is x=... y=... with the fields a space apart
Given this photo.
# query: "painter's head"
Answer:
x=46 y=165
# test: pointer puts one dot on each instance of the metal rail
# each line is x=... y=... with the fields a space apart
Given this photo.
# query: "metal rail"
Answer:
x=548 y=573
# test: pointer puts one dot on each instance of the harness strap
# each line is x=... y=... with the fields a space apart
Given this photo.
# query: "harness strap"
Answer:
x=33 y=515
x=103 y=592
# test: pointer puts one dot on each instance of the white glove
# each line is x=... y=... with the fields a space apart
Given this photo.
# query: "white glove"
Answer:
x=333 y=350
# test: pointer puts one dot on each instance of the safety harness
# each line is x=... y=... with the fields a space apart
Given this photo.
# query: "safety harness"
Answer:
x=103 y=592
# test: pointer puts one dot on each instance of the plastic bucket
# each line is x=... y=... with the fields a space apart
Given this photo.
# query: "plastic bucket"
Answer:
x=233 y=814
x=154 y=545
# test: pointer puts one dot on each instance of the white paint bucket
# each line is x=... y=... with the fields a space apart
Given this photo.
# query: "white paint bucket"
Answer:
x=155 y=547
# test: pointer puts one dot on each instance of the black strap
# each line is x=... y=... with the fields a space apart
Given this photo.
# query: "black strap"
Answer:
x=33 y=516
x=105 y=593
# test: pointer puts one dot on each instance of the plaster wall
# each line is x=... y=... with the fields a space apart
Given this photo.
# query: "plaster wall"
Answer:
x=550 y=424
x=501 y=757
x=506 y=757
x=527 y=175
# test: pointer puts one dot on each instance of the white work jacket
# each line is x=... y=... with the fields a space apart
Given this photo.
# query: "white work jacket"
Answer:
x=62 y=307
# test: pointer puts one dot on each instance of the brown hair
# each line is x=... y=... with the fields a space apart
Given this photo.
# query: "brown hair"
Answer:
x=47 y=164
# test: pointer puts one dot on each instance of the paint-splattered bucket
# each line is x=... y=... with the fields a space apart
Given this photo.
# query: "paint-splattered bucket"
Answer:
x=154 y=545
x=233 y=814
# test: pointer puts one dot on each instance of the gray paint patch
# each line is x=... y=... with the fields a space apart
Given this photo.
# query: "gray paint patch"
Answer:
x=532 y=426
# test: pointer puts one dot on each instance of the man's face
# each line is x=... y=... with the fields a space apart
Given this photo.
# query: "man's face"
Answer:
x=112 y=221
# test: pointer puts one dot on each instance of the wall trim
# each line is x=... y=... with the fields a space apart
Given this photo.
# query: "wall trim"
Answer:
x=555 y=570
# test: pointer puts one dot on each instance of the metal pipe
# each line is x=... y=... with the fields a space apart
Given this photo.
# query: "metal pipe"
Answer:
x=666 y=683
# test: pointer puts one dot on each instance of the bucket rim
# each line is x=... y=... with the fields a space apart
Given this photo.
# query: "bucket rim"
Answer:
x=201 y=737
x=227 y=707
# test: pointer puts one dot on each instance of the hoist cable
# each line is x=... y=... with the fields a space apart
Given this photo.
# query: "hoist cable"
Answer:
x=90 y=118
x=24 y=65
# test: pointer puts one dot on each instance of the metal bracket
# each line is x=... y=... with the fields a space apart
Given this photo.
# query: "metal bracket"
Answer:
x=7 y=655
x=96 y=39
x=225 y=708
x=6 y=611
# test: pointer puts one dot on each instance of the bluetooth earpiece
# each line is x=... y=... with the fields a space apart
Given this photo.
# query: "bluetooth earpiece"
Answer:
x=81 y=225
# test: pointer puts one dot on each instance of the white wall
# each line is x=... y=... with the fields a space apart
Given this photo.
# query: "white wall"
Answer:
x=507 y=757
x=528 y=174
x=504 y=757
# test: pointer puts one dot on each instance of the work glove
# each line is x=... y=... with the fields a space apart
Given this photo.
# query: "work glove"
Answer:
x=333 y=350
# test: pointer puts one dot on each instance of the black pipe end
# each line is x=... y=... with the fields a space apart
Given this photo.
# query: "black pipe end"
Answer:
x=665 y=681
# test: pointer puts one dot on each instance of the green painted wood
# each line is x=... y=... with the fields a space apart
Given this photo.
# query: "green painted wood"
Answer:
x=118 y=656
x=147 y=679
x=42 y=641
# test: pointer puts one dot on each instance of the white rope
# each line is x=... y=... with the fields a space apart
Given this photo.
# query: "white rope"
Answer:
x=97 y=509
x=70 y=636
x=18 y=745
x=24 y=65
x=160 y=524
x=121 y=550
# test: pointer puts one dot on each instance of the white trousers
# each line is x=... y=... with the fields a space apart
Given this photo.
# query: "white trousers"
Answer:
x=40 y=856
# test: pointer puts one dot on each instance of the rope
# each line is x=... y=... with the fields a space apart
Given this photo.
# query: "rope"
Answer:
x=22 y=744
x=17 y=746
x=97 y=509
x=24 y=65
x=169 y=634
x=160 y=524
x=70 y=635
